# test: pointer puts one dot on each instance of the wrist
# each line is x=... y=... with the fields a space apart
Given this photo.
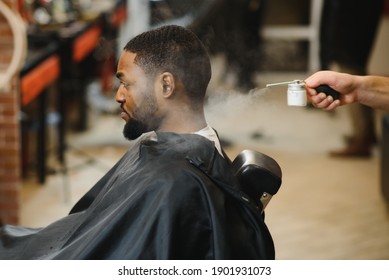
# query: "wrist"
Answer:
x=361 y=83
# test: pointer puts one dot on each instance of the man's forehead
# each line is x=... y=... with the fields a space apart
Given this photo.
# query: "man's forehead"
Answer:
x=126 y=65
x=126 y=58
x=128 y=54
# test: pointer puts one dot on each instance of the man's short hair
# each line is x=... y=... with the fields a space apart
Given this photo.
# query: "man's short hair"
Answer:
x=176 y=50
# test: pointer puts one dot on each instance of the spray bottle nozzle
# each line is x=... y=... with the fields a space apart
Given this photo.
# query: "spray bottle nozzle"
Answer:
x=294 y=82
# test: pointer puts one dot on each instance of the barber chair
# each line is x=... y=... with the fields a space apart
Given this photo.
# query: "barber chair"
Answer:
x=259 y=175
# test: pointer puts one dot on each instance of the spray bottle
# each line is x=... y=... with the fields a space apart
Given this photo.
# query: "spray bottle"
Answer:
x=297 y=94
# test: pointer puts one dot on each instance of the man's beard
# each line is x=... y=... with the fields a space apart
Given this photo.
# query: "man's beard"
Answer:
x=133 y=129
x=144 y=119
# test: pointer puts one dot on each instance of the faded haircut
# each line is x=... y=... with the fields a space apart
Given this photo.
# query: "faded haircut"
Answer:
x=176 y=50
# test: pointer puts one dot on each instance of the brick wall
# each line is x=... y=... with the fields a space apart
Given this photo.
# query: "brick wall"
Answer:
x=10 y=181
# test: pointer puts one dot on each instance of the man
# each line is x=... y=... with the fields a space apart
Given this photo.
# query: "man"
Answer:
x=172 y=195
x=372 y=91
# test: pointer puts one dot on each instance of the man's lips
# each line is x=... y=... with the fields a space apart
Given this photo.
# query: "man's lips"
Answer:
x=124 y=115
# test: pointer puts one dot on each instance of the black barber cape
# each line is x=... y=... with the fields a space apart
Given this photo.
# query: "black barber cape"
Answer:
x=170 y=196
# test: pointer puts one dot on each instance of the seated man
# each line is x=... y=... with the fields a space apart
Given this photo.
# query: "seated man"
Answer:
x=173 y=194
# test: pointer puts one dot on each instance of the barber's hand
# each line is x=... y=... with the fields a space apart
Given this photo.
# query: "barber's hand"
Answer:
x=343 y=83
x=321 y=100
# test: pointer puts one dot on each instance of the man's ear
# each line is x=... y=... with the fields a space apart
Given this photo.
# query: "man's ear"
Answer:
x=167 y=84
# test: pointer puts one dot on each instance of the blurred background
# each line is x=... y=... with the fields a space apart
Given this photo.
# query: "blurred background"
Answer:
x=60 y=130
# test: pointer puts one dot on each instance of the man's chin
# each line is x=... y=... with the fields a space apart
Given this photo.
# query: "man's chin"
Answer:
x=133 y=129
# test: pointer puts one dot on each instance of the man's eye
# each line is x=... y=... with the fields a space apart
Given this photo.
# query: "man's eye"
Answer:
x=125 y=85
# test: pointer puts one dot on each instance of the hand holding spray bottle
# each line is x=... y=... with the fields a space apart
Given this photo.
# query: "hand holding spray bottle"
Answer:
x=297 y=94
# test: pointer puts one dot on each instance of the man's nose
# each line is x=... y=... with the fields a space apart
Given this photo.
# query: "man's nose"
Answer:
x=120 y=96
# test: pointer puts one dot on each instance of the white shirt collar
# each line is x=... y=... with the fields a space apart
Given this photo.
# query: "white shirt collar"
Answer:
x=209 y=133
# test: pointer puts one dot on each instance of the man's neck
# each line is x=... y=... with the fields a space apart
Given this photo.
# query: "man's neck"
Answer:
x=184 y=123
